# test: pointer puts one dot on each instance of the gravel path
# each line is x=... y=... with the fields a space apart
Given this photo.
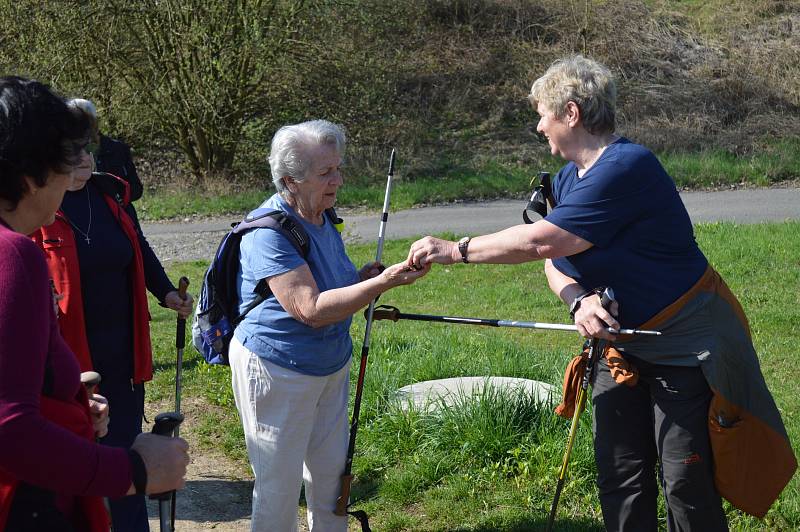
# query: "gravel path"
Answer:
x=196 y=239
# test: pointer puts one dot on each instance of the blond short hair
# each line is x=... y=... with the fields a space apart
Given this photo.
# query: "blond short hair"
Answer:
x=581 y=80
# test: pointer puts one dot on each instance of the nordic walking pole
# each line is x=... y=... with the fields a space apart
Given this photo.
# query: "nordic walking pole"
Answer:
x=347 y=476
x=596 y=348
x=166 y=425
x=91 y=380
x=180 y=343
x=387 y=312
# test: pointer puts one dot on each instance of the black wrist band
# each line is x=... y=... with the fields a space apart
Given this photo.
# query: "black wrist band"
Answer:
x=576 y=303
x=138 y=472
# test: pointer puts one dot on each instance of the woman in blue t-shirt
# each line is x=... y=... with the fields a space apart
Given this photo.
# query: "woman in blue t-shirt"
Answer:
x=290 y=356
x=618 y=221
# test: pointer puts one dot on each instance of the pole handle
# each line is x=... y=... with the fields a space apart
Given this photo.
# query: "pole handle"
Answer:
x=344 y=495
x=180 y=327
x=183 y=285
x=90 y=380
x=607 y=297
x=165 y=424
x=384 y=312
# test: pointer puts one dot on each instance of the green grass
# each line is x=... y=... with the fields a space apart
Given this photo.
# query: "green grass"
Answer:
x=777 y=161
x=491 y=464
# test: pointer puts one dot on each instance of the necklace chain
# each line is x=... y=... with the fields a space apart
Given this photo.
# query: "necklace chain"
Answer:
x=89 y=227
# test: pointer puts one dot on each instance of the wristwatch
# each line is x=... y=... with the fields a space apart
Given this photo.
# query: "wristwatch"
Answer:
x=576 y=303
x=463 y=244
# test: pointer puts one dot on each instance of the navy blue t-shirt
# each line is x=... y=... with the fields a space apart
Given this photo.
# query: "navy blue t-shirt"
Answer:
x=627 y=206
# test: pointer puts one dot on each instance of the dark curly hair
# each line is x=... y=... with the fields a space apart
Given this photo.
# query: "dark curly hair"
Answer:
x=39 y=133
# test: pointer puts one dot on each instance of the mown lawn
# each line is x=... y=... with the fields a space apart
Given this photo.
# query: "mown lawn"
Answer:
x=491 y=464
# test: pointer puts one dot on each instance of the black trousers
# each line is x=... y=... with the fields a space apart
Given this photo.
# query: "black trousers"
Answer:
x=659 y=424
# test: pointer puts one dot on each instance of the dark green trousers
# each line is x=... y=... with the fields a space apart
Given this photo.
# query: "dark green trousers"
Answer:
x=661 y=424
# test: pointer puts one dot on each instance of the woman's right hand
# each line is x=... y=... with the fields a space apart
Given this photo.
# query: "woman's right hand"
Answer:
x=401 y=273
x=592 y=319
x=165 y=459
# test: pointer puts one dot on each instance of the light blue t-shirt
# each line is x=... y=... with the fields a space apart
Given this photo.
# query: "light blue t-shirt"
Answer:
x=644 y=248
x=268 y=330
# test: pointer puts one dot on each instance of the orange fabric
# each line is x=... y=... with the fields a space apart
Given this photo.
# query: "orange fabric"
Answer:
x=572 y=384
x=90 y=513
x=622 y=371
x=752 y=462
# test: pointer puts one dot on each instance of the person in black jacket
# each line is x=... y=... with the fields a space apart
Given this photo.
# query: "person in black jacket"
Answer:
x=111 y=155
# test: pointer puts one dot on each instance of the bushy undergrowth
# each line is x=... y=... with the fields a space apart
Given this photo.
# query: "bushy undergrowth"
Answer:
x=444 y=81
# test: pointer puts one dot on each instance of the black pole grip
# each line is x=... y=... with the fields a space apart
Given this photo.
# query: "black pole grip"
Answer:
x=383 y=312
x=180 y=330
x=165 y=425
x=607 y=297
x=166 y=422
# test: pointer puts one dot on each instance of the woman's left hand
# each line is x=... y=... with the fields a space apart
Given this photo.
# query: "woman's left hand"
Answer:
x=182 y=306
x=98 y=407
x=370 y=270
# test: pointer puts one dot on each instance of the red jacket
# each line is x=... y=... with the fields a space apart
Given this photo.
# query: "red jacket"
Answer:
x=58 y=243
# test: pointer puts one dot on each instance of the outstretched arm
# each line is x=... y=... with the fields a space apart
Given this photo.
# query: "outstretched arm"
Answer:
x=297 y=292
x=515 y=245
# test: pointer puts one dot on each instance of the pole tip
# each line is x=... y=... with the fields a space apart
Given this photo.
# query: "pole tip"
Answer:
x=391 y=162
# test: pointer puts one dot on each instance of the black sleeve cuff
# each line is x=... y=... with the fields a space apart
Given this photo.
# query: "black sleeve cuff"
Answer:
x=139 y=472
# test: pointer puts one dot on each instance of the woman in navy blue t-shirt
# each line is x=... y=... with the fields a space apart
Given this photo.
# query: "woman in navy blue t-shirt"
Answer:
x=618 y=221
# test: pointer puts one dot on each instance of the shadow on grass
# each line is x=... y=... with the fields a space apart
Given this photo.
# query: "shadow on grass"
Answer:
x=365 y=486
x=212 y=500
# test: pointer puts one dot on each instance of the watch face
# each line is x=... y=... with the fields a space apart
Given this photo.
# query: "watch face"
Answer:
x=462 y=247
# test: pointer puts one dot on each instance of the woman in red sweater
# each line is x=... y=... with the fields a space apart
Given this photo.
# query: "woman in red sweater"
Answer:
x=52 y=473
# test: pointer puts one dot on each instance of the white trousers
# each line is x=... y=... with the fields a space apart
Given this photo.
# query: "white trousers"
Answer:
x=295 y=427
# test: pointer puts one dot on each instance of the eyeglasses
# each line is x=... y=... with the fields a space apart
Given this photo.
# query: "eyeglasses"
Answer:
x=92 y=148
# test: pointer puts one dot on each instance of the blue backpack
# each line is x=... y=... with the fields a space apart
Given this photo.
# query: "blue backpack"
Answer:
x=217 y=313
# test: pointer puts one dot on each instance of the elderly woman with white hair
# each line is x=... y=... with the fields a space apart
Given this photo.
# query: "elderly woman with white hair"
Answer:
x=618 y=221
x=290 y=355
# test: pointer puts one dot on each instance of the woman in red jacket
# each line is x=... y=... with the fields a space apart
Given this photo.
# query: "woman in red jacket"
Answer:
x=102 y=268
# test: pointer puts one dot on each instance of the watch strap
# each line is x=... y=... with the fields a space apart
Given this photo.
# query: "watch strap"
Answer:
x=576 y=303
x=463 y=246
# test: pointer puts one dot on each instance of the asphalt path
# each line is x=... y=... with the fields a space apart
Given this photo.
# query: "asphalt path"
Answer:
x=197 y=239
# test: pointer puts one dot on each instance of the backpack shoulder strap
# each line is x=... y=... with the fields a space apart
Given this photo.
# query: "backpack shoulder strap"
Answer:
x=337 y=222
x=279 y=221
x=284 y=224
